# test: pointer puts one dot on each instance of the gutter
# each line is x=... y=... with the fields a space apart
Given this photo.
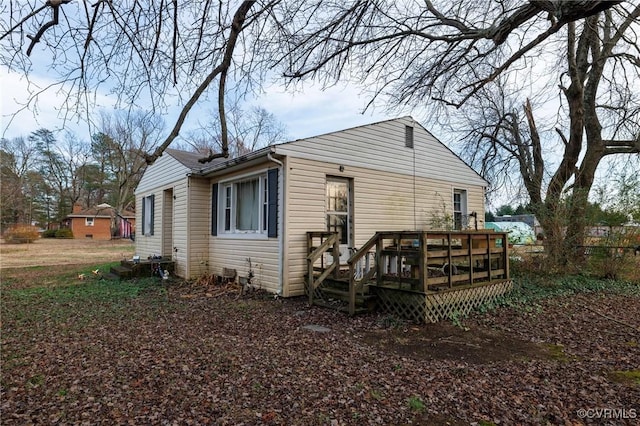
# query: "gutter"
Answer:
x=281 y=236
x=244 y=160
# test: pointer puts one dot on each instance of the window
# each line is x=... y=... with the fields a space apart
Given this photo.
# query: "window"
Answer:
x=459 y=209
x=147 y=215
x=245 y=205
x=88 y=221
x=338 y=208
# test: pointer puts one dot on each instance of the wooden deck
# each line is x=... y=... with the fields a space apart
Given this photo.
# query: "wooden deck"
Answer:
x=422 y=276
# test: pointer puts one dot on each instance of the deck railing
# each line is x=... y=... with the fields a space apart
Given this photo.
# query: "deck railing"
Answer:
x=416 y=261
x=428 y=261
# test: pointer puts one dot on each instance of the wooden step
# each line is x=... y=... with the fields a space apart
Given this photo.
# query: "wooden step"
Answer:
x=344 y=308
x=121 y=271
x=364 y=302
x=344 y=294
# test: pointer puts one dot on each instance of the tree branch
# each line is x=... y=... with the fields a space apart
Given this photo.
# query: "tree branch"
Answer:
x=236 y=28
x=23 y=20
x=55 y=5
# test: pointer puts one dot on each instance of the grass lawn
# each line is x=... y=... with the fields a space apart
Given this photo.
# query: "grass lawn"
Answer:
x=147 y=352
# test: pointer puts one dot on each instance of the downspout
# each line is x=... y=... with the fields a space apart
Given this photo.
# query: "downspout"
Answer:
x=280 y=222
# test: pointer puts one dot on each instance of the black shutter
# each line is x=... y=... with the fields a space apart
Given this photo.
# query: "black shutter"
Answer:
x=272 y=215
x=214 y=209
x=153 y=205
x=144 y=214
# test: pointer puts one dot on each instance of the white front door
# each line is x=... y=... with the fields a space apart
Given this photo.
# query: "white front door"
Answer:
x=339 y=213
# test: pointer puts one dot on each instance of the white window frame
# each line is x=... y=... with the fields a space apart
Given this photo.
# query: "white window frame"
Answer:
x=460 y=211
x=228 y=202
x=89 y=221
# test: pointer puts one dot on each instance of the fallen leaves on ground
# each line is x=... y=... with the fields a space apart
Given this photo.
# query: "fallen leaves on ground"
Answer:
x=221 y=357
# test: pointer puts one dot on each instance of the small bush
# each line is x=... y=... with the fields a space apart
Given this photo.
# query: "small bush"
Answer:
x=21 y=233
x=64 y=233
x=613 y=255
x=415 y=403
x=49 y=233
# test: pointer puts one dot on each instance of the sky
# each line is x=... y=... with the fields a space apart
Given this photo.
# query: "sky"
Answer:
x=306 y=113
x=310 y=112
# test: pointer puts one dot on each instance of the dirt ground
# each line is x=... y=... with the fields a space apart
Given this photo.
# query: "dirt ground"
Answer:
x=54 y=251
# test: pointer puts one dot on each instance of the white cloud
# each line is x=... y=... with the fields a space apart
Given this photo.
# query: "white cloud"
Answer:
x=314 y=111
x=307 y=112
x=26 y=106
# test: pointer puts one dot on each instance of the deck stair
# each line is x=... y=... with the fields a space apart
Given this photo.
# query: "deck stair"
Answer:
x=334 y=293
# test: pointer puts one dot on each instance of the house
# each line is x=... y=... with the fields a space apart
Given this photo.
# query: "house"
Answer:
x=252 y=214
x=100 y=223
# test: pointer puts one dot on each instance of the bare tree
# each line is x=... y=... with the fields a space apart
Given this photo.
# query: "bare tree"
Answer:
x=119 y=149
x=158 y=52
x=248 y=130
x=17 y=160
x=420 y=51
x=598 y=118
x=167 y=51
x=61 y=163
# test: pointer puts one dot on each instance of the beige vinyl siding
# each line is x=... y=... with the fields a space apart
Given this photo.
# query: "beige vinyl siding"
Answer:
x=383 y=201
x=181 y=204
x=199 y=226
x=161 y=174
x=165 y=173
x=234 y=254
x=228 y=251
x=381 y=146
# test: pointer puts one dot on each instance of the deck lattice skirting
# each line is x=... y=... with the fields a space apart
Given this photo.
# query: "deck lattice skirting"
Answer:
x=445 y=304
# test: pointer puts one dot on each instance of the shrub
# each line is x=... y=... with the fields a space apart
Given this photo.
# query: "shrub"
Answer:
x=21 y=233
x=49 y=233
x=613 y=256
x=64 y=233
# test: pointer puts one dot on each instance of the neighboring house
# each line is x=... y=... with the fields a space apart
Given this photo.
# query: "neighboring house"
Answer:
x=100 y=223
x=254 y=212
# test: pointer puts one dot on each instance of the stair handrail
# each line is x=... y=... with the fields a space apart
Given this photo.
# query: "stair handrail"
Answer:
x=357 y=285
x=330 y=242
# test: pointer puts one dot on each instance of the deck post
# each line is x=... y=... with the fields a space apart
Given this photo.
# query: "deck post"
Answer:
x=470 y=253
x=489 y=256
x=310 y=280
x=379 y=263
x=399 y=259
x=310 y=267
x=506 y=257
x=352 y=290
x=336 y=256
x=450 y=260
x=423 y=271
